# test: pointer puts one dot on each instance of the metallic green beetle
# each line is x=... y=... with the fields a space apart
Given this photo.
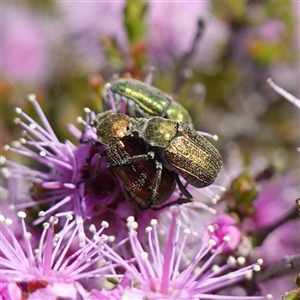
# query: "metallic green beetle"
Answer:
x=142 y=100
x=180 y=149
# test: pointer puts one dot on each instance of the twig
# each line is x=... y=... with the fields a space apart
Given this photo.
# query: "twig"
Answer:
x=182 y=70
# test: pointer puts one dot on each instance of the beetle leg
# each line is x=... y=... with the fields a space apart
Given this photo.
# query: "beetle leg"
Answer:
x=179 y=201
x=96 y=170
x=134 y=202
x=144 y=208
x=156 y=183
x=98 y=163
x=132 y=160
x=130 y=200
x=189 y=198
x=184 y=191
x=154 y=189
x=184 y=187
x=91 y=142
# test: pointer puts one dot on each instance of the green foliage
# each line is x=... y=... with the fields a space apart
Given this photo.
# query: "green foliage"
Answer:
x=134 y=20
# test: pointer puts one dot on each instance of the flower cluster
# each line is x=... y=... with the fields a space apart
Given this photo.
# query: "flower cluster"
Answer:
x=55 y=266
x=92 y=243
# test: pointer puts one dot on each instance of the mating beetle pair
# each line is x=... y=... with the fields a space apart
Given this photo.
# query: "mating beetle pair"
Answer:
x=148 y=154
x=146 y=182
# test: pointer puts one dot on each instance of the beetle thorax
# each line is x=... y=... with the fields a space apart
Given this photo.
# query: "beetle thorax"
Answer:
x=112 y=127
x=158 y=132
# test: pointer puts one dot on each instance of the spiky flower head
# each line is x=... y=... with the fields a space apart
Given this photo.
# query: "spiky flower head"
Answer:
x=57 y=264
x=165 y=272
x=62 y=177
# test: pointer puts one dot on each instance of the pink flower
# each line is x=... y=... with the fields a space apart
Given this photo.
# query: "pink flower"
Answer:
x=167 y=272
x=54 y=267
x=226 y=227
